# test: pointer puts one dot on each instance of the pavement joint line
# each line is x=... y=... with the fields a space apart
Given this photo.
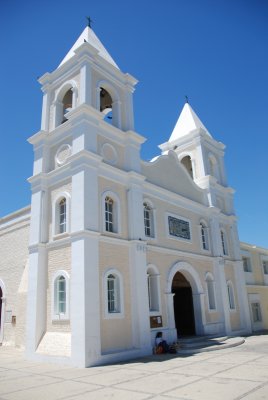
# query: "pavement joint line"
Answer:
x=251 y=391
x=30 y=387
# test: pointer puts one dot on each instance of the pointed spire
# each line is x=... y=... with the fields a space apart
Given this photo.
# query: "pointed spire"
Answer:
x=188 y=121
x=89 y=36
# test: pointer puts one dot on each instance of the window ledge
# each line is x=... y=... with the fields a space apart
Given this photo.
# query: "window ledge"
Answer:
x=115 y=315
x=60 y=236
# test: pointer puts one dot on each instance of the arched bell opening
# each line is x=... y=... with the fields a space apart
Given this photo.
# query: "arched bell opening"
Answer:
x=183 y=305
x=106 y=105
x=67 y=104
x=187 y=163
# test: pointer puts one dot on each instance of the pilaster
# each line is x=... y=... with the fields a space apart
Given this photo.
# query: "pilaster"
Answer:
x=222 y=294
x=139 y=294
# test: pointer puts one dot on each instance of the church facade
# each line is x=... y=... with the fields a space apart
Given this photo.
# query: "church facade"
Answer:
x=114 y=249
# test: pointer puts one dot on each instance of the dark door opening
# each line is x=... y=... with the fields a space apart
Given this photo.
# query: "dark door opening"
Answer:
x=183 y=306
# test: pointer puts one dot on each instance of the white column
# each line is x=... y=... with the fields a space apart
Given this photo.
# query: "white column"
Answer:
x=199 y=160
x=45 y=111
x=116 y=107
x=36 y=298
x=242 y=297
x=37 y=279
x=215 y=238
x=135 y=212
x=85 y=301
x=128 y=117
x=222 y=294
x=173 y=336
x=139 y=297
x=85 y=84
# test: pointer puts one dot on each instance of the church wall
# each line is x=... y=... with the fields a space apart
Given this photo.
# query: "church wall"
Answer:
x=261 y=294
x=162 y=209
x=116 y=331
x=58 y=259
x=14 y=254
x=164 y=262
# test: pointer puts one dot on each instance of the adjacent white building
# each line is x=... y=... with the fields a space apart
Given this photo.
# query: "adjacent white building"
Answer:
x=113 y=248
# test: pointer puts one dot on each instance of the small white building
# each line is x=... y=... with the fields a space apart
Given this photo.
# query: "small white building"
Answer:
x=119 y=248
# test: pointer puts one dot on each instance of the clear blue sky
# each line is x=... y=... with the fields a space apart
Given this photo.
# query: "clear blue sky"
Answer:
x=215 y=51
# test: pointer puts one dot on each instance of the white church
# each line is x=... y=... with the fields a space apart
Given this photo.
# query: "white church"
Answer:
x=114 y=249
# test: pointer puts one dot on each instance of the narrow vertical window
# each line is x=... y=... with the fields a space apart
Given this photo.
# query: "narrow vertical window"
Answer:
x=211 y=293
x=231 y=296
x=153 y=291
x=246 y=264
x=109 y=217
x=148 y=220
x=224 y=244
x=204 y=236
x=265 y=267
x=113 y=294
x=62 y=216
x=60 y=295
x=256 y=312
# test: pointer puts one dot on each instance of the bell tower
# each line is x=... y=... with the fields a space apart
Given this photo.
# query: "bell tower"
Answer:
x=87 y=125
x=202 y=156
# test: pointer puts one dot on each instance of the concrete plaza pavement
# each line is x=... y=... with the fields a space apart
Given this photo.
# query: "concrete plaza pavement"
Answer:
x=230 y=374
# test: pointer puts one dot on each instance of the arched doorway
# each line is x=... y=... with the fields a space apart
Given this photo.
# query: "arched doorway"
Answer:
x=183 y=305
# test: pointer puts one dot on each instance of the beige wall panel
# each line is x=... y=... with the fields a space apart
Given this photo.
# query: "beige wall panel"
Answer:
x=161 y=229
x=120 y=191
x=58 y=259
x=115 y=333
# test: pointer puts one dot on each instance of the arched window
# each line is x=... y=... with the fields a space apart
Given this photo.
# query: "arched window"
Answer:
x=211 y=292
x=60 y=296
x=113 y=294
x=62 y=216
x=113 y=291
x=204 y=236
x=231 y=297
x=153 y=290
x=67 y=103
x=106 y=105
x=111 y=212
x=187 y=163
x=224 y=243
x=60 y=219
x=148 y=220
